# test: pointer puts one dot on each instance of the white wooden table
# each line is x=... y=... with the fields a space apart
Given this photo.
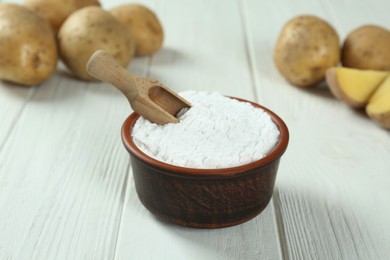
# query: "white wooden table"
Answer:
x=66 y=186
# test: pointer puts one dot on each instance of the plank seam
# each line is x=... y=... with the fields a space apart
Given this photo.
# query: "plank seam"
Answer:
x=248 y=47
x=124 y=192
x=17 y=117
x=333 y=228
x=148 y=66
x=281 y=234
x=122 y=199
x=280 y=225
x=337 y=22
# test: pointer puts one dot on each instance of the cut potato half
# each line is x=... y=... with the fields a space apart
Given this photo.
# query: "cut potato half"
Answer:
x=353 y=86
x=378 y=108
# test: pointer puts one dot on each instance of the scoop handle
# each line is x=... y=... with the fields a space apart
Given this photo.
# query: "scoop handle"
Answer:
x=104 y=67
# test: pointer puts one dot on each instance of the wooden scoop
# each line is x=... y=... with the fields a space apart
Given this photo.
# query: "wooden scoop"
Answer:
x=147 y=97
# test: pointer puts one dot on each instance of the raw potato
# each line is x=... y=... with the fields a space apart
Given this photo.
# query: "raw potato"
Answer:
x=28 y=52
x=353 y=86
x=88 y=30
x=367 y=47
x=144 y=26
x=378 y=107
x=56 y=11
x=307 y=46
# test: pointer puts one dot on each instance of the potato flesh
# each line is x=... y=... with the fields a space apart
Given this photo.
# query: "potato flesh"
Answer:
x=359 y=85
x=380 y=101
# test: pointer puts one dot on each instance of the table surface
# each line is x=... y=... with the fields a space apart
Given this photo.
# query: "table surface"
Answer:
x=66 y=186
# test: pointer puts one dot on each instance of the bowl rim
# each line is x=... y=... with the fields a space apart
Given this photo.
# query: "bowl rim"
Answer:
x=273 y=155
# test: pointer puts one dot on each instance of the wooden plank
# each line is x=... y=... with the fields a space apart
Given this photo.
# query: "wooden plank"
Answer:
x=12 y=100
x=143 y=236
x=63 y=173
x=62 y=197
x=204 y=50
x=200 y=53
x=333 y=191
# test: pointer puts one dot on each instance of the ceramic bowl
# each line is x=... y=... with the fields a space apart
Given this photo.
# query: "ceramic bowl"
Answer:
x=205 y=198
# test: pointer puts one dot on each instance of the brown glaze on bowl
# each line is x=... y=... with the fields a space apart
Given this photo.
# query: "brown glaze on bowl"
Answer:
x=205 y=198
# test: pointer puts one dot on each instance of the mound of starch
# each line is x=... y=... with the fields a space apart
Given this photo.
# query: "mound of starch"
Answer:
x=216 y=132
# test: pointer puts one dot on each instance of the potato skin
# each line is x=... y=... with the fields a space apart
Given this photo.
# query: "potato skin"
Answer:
x=307 y=46
x=27 y=46
x=382 y=119
x=144 y=25
x=88 y=30
x=56 y=11
x=367 y=47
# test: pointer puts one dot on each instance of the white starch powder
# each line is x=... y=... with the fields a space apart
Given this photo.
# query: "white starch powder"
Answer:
x=216 y=132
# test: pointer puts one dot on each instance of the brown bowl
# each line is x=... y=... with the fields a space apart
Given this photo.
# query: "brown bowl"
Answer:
x=205 y=198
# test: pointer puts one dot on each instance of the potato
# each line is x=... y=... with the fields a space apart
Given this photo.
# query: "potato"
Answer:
x=144 y=26
x=307 y=46
x=28 y=52
x=378 y=107
x=353 y=86
x=367 y=47
x=88 y=30
x=56 y=11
